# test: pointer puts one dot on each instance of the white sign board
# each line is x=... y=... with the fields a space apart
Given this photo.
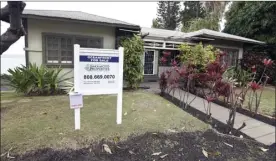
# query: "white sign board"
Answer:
x=99 y=71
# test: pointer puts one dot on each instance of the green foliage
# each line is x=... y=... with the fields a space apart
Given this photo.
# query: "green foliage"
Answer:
x=34 y=80
x=254 y=20
x=133 y=69
x=241 y=76
x=192 y=10
x=197 y=55
x=155 y=24
x=168 y=15
x=208 y=22
x=199 y=15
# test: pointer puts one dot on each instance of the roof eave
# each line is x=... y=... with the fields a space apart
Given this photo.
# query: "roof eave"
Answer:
x=136 y=27
x=227 y=38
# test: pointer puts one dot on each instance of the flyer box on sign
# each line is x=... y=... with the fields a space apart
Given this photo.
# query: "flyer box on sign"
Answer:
x=76 y=100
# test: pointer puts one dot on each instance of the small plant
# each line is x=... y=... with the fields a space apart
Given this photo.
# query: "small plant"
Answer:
x=133 y=69
x=259 y=85
x=241 y=75
x=34 y=80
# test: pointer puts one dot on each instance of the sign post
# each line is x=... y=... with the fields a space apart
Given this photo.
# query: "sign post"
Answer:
x=120 y=86
x=97 y=72
x=76 y=102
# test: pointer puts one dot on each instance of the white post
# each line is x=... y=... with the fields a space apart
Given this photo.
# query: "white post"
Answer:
x=76 y=83
x=77 y=118
x=120 y=86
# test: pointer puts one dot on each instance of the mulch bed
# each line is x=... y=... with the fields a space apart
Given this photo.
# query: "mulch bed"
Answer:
x=173 y=147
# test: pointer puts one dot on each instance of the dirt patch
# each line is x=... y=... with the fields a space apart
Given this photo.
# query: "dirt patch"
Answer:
x=178 y=146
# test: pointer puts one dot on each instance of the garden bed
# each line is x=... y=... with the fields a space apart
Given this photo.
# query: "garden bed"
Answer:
x=216 y=124
x=186 y=146
x=261 y=117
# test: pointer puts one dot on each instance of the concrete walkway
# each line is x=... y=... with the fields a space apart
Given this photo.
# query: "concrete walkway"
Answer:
x=258 y=130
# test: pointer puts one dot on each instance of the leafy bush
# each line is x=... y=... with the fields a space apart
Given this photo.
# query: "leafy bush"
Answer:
x=242 y=76
x=198 y=55
x=34 y=80
x=133 y=69
x=252 y=58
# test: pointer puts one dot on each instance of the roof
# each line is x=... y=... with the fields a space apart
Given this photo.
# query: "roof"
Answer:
x=78 y=15
x=162 y=33
x=153 y=32
x=221 y=35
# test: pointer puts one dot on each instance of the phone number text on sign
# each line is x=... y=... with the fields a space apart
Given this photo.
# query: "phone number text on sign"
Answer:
x=98 y=76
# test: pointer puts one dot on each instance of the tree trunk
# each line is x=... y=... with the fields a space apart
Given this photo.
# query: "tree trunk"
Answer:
x=11 y=13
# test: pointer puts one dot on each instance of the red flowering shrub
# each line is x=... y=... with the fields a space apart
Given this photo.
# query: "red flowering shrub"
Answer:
x=267 y=62
x=163 y=84
x=254 y=86
x=222 y=88
x=166 y=54
x=257 y=59
x=163 y=60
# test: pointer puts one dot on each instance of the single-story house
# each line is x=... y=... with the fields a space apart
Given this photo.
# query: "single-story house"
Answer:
x=158 y=40
x=52 y=33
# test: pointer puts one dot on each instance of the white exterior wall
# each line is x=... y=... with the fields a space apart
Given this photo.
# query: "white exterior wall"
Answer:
x=37 y=27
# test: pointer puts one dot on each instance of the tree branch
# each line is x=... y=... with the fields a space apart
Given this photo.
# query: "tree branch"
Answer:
x=11 y=13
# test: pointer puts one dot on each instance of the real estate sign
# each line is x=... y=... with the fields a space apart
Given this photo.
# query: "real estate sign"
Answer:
x=99 y=71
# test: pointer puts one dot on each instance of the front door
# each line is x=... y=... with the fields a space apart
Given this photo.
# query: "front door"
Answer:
x=149 y=61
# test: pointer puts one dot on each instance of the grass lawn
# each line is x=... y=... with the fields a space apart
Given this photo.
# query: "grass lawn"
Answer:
x=29 y=123
x=267 y=104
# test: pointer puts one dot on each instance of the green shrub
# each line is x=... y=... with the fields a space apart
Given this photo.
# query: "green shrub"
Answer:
x=197 y=55
x=133 y=68
x=34 y=80
x=241 y=76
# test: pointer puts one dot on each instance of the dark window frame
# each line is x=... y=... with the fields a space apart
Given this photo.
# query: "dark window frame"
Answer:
x=66 y=36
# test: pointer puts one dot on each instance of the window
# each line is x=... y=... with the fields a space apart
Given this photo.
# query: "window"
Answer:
x=231 y=57
x=59 y=49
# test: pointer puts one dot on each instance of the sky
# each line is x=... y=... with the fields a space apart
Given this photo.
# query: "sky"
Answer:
x=140 y=13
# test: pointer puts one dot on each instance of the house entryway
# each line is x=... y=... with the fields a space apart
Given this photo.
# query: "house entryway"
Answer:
x=149 y=62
